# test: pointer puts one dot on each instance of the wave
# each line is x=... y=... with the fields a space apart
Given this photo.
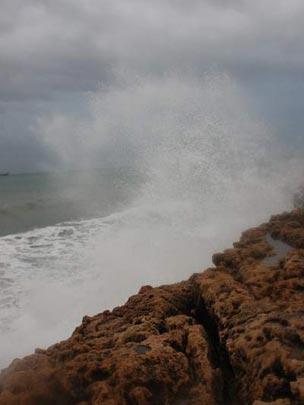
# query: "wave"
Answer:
x=211 y=170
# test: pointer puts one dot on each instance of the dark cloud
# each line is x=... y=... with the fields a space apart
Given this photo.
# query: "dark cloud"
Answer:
x=52 y=50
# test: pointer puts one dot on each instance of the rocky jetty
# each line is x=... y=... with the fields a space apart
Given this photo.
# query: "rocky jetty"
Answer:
x=233 y=334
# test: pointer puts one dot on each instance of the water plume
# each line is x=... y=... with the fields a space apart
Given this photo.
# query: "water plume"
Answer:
x=208 y=168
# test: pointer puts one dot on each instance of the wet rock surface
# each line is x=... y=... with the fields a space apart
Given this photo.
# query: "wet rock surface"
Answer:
x=233 y=334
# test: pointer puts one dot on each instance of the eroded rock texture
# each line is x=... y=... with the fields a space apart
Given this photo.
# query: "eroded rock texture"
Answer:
x=233 y=334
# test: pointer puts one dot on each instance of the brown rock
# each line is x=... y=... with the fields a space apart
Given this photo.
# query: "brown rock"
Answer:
x=233 y=334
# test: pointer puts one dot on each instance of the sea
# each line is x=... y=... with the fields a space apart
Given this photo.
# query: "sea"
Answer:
x=38 y=200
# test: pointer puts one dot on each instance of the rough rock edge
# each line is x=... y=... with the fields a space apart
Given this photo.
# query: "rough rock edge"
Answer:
x=233 y=334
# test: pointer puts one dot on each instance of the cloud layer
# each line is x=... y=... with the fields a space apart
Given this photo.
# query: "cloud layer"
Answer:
x=52 y=53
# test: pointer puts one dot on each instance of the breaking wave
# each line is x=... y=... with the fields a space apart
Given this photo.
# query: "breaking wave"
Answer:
x=210 y=170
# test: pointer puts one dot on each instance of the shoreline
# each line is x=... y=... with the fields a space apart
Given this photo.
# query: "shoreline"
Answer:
x=232 y=334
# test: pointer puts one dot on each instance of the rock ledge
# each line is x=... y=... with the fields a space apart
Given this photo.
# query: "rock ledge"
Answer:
x=233 y=334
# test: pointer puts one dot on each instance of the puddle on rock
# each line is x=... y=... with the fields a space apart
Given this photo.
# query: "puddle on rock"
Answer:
x=141 y=349
x=280 y=250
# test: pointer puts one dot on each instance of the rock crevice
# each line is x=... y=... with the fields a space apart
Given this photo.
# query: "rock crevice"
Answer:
x=219 y=356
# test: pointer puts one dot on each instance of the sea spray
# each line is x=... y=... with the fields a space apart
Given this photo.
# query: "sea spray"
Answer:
x=209 y=171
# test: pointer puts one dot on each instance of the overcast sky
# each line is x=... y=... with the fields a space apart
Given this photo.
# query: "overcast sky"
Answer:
x=53 y=53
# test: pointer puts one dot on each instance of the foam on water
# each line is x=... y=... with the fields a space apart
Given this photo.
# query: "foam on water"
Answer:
x=211 y=171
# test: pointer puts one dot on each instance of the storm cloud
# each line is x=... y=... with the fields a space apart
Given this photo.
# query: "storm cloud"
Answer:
x=53 y=53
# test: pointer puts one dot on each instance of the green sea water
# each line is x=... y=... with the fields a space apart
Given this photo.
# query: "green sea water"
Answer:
x=30 y=201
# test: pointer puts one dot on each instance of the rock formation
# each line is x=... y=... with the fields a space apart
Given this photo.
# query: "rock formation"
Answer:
x=233 y=334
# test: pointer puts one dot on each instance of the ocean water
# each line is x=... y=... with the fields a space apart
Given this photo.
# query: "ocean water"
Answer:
x=30 y=201
x=202 y=170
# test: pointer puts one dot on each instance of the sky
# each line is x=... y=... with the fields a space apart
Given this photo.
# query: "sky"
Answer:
x=56 y=55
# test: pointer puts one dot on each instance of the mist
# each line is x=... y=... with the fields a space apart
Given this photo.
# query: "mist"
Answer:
x=208 y=169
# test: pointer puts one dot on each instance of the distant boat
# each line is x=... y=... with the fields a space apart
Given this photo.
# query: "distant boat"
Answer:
x=4 y=174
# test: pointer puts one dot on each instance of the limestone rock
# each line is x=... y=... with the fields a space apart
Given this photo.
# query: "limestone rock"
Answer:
x=233 y=334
